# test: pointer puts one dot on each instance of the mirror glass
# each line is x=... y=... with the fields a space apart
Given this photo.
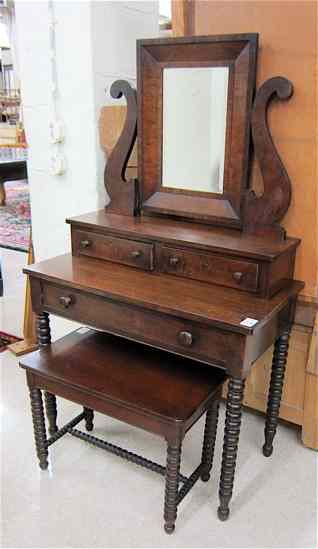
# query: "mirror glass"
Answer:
x=194 y=128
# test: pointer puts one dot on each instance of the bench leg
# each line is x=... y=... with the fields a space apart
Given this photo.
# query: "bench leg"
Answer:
x=171 y=490
x=51 y=411
x=230 y=444
x=211 y=424
x=89 y=419
x=275 y=391
x=39 y=426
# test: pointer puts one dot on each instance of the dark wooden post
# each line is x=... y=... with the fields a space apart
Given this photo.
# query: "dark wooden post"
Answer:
x=275 y=390
x=230 y=444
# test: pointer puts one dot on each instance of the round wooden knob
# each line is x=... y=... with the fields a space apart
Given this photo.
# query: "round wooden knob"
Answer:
x=66 y=301
x=238 y=276
x=86 y=243
x=135 y=254
x=173 y=261
x=185 y=338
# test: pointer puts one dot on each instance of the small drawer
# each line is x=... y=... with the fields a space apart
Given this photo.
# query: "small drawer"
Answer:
x=110 y=248
x=209 y=268
x=183 y=337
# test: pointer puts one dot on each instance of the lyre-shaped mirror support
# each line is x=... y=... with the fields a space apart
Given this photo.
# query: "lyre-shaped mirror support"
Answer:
x=124 y=195
x=262 y=214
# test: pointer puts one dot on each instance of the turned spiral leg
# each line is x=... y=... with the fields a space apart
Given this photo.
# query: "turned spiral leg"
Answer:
x=171 y=490
x=230 y=444
x=39 y=427
x=51 y=411
x=211 y=424
x=43 y=329
x=89 y=419
x=275 y=390
x=44 y=339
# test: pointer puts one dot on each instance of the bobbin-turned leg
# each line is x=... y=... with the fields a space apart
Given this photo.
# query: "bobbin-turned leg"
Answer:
x=211 y=424
x=89 y=419
x=44 y=339
x=39 y=427
x=51 y=411
x=172 y=483
x=43 y=329
x=230 y=444
x=275 y=390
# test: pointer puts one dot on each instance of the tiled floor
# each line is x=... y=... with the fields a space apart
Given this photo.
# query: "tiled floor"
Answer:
x=92 y=499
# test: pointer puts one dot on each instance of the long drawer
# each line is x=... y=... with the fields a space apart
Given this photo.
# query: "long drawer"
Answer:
x=212 y=268
x=184 y=337
x=120 y=250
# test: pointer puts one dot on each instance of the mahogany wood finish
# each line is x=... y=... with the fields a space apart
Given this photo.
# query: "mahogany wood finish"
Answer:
x=51 y=411
x=214 y=255
x=44 y=339
x=262 y=214
x=230 y=446
x=154 y=270
x=209 y=268
x=43 y=329
x=238 y=52
x=128 y=381
x=128 y=252
x=275 y=390
x=124 y=196
x=210 y=430
x=39 y=426
x=171 y=491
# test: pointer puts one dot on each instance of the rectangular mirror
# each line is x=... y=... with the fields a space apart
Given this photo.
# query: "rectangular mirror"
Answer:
x=194 y=128
x=195 y=98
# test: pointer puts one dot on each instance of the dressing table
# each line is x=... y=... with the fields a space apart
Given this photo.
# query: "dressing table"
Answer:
x=187 y=258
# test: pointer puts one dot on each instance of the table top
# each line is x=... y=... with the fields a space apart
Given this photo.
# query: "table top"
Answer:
x=189 y=299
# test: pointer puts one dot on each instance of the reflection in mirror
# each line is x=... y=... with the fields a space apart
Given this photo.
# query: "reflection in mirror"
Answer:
x=194 y=128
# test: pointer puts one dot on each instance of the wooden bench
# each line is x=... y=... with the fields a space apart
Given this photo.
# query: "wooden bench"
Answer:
x=151 y=389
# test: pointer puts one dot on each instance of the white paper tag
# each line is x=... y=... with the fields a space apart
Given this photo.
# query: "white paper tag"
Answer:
x=249 y=322
x=83 y=330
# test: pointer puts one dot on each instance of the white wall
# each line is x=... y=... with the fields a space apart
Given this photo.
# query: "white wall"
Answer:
x=95 y=44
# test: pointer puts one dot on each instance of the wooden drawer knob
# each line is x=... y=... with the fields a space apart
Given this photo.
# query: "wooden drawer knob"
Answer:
x=238 y=276
x=185 y=338
x=66 y=301
x=173 y=261
x=135 y=254
x=86 y=243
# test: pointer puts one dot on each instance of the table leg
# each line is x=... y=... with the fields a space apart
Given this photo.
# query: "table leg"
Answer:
x=89 y=419
x=275 y=390
x=44 y=339
x=39 y=426
x=172 y=483
x=51 y=411
x=211 y=425
x=230 y=444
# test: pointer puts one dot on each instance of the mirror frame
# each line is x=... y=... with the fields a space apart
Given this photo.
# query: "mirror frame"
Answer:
x=239 y=53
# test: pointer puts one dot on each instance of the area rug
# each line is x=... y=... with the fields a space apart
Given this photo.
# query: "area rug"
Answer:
x=6 y=339
x=15 y=217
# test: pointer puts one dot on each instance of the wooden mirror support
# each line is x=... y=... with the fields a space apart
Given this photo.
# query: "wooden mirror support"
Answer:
x=238 y=207
x=262 y=214
x=124 y=195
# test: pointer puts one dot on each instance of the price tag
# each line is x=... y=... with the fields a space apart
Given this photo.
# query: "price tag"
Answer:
x=249 y=322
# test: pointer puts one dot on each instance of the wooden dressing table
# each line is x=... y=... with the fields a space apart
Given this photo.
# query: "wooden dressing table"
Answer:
x=204 y=272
